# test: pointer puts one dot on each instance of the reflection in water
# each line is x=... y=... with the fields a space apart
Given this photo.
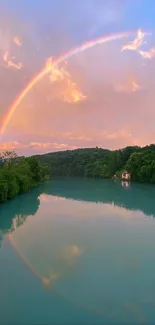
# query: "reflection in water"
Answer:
x=125 y=184
x=13 y=213
x=134 y=309
x=66 y=259
x=1 y=237
x=69 y=253
x=18 y=208
x=95 y=255
x=139 y=198
x=47 y=269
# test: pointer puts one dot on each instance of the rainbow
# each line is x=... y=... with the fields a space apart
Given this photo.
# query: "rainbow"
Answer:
x=41 y=280
x=47 y=70
x=25 y=261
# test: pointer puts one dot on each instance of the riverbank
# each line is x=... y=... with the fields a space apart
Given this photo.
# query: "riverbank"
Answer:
x=20 y=175
x=103 y=163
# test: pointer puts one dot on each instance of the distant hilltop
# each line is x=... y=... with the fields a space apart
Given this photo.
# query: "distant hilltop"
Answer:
x=138 y=163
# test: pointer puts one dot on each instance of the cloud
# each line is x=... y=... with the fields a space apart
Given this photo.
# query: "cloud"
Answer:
x=9 y=62
x=4 y=146
x=70 y=92
x=148 y=54
x=130 y=87
x=13 y=65
x=124 y=133
x=104 y=139
x=5 y=56
x=7 y=41
x=50 y=145
x=34 y=147
x=17 y=41
x=80 y=137
x=56 y=125
x=137 y=44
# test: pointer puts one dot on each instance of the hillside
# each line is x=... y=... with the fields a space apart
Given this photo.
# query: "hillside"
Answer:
x=103 y=163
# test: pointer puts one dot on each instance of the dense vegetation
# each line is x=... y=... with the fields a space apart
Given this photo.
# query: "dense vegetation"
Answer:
x=19 y=175
x=97 y=162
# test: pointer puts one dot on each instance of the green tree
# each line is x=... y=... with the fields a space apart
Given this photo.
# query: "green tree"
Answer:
x=3 y=190
x=35 y=169
x=19 y=174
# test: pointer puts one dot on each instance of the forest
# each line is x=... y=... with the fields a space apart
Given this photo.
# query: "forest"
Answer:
x=19 y=174
x=102 y=163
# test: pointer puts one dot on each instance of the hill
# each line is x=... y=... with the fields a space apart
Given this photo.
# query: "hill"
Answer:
x=103 y=163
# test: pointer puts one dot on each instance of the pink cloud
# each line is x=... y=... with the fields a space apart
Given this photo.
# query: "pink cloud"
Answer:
x=34 y=147
x=130 y=87
x=124 y=133
x=148 y=54
x=17 y=40
x=136 y=44
x=119 y=109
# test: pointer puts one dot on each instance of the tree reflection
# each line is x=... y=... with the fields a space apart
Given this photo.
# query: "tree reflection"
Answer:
x=138 y=197
x=13 y=213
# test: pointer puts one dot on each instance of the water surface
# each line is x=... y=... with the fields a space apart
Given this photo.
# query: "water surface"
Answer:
x=78 y=251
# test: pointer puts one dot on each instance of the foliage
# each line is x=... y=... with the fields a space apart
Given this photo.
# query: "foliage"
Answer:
x=97 y=162
x=19 y=174
x=142 y=166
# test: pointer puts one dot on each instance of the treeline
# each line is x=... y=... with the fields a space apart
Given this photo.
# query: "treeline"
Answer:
x=19 y=174
x=102 y=163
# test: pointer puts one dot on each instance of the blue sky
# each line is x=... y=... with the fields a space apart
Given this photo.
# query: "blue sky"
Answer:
x=77 y=17
x=73 y=22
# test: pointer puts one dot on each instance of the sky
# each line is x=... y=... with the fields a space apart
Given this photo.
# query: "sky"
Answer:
x=100 y=95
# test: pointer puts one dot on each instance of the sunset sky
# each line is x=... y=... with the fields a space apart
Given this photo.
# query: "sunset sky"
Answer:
x=101 y=96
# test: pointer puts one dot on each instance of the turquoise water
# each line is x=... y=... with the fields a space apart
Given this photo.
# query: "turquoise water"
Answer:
x=78 y=251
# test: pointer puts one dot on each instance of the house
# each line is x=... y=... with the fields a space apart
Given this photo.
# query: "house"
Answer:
x=126 y=176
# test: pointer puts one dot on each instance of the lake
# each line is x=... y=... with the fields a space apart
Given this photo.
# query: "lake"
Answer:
x=78 y=251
